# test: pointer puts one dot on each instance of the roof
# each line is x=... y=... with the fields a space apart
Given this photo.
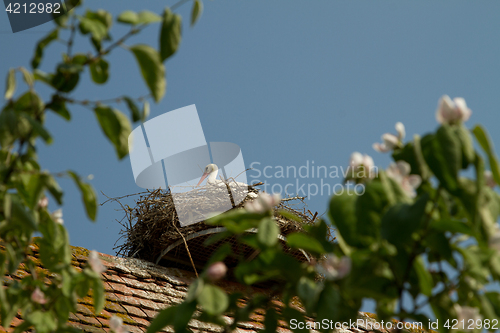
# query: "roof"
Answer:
x=136 y=290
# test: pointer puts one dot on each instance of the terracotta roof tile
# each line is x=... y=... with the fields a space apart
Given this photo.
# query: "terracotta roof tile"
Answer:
x=135 y=291
x=150 y=313
x=134 y=329
x=135 y=311
x=140 y=321
x=89 y=320
x=114 y=307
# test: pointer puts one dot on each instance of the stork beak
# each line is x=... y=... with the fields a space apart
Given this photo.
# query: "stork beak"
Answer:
x=202 y=178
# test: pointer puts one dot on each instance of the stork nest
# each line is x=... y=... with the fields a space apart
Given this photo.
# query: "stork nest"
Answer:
x=153 y=224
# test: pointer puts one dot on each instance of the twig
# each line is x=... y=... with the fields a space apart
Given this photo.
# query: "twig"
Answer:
x=132 y=31
x=185 y=243
x=104 y=101
x=293 y=198
x=71 y=36
x=117 y=198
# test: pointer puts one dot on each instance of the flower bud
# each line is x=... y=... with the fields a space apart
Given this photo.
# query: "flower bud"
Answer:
x=96 y=263
x=216 y=271
x=449 y=112
x=38 y=296
x=43 y=202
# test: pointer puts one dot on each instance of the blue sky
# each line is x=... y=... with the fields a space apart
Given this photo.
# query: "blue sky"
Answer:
x=288 y=81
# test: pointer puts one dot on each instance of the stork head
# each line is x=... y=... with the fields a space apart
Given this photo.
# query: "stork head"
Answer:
x=211 y=170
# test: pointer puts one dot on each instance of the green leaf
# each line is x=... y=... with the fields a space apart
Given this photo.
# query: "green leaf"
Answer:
x=370 y=208
x=485 y=143
x=468 y=153
x=293 y=314
x=164 y=318
x=116 y=127
x=11 y=84
x=438 y=243
x=39 y=129
x=424 y=277
x=329 y=304
x=213 y=300
x=43 y=321
x=152 y=69
x=134 y=110
x=196 y=11
x=308 y=291
x=27 y=76
x=145 y=111
x=271 y=321
x=44 y=77
x=15 y=211
x=67 y=77
x=321 y=231
x=54 y=189
x=88 y=195
x=268 y=232
x=146 y=17
x=443 y=154
x=128 y=17
x=30 y=103
x=80 y=59
x=58 y=105
x=423 y=168
x=98 y=294
x=82 y=285
x=304 y=242
x=453 y=226
x=401 y=220
x=34 y=186
x=37 y=58
x=289 y=215
x=99 y=71
x=170 y=34
x=342 y=213
x=184 y=314
x=101 y=15
x=93 y=26
x=194 y=290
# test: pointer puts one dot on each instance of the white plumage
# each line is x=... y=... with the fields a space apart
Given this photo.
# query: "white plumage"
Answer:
x=211 y=171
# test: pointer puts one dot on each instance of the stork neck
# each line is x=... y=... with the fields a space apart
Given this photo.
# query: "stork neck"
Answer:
x=212 y=176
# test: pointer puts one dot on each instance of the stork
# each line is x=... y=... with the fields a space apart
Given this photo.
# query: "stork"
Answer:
x=211 y=172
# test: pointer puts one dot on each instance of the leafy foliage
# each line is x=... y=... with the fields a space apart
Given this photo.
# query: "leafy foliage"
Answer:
x=391 y=243
x=436 y=248
x=24 y=187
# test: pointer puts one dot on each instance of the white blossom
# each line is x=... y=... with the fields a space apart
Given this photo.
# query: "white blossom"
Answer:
x=96 y=263
x=391 y=141
x=400 y=172
x=361 y=166
x=494 y=239
x=38 y=296
x=263 y=203
x=116 y=325
x=452 y=111
x=43 y=202
x=216 y=271
x=490 y=181
x=466 y=313
x=57 y=216
x=333 y=267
